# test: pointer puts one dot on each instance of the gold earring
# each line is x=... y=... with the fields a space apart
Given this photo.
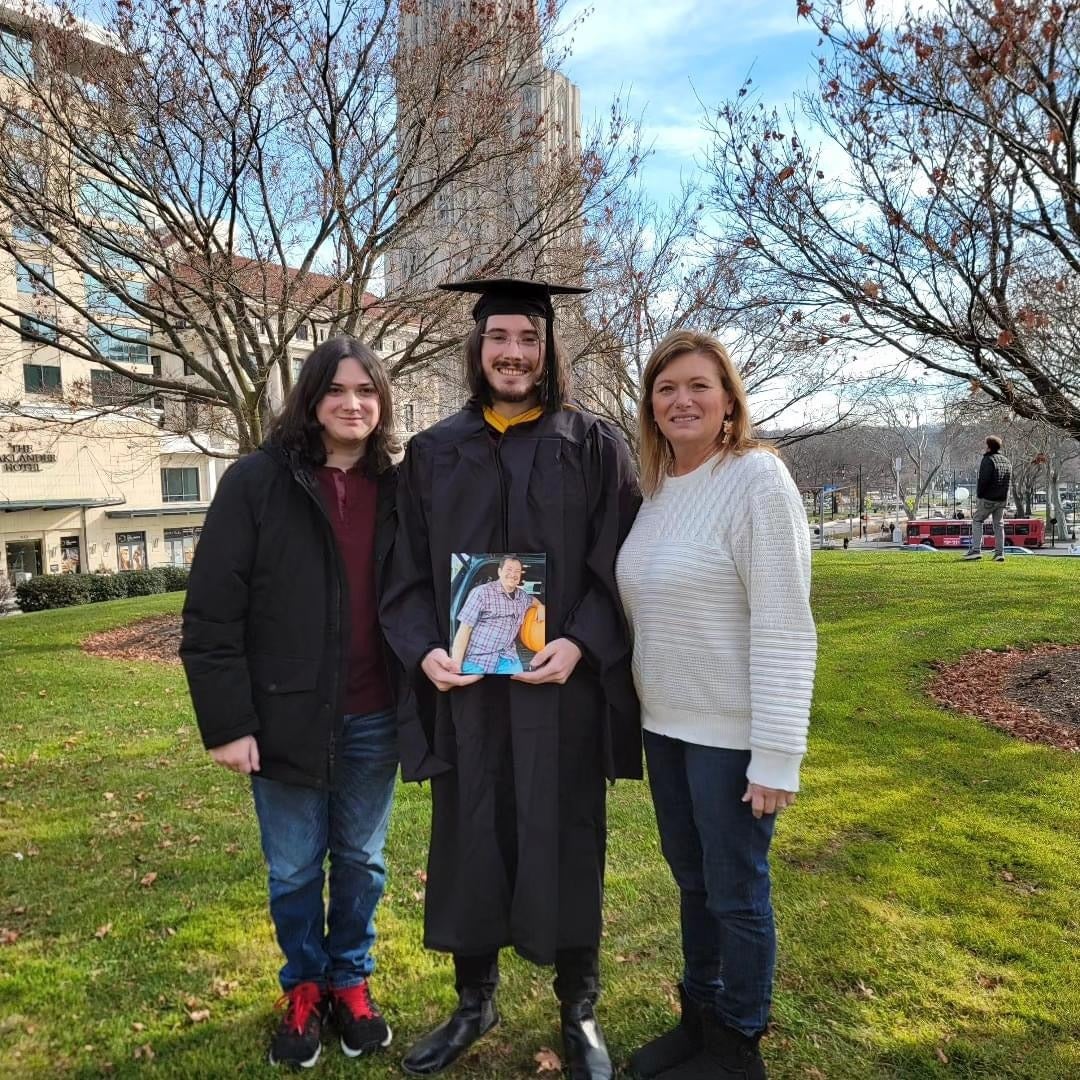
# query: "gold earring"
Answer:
x=727 y=426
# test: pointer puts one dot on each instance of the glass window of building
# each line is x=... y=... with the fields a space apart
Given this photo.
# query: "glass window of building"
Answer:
x=179 y=485
x=180 y=545
x=112 y=388
x=30 y=329
x=31 y=276
x=41 y=378
x=121 y=344
x=102 y=297
x=70 y=555
x=15 y=58
x=131 y=550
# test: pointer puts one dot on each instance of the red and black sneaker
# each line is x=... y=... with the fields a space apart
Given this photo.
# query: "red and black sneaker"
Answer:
x=362 y=1028
x=298 y=1039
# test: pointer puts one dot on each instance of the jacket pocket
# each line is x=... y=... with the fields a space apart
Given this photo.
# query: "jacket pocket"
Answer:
x=283 y=674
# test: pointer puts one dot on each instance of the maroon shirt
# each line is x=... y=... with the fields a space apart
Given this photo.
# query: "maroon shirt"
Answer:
x=349 y=498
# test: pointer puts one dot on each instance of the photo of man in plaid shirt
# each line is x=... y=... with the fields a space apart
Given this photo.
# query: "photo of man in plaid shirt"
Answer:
x=489 y=623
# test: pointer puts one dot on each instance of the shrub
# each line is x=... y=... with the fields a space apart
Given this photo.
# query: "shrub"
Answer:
x=106 y=587
x=52 y=591
x=141 y=582
x=64 y=590
x=175 y=578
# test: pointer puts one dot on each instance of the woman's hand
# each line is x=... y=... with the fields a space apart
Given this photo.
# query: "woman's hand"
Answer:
x=241 y=755
x=767 y=800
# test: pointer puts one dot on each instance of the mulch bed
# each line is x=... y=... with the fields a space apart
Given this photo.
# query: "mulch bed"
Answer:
x=1033 y=694
x=154 y=638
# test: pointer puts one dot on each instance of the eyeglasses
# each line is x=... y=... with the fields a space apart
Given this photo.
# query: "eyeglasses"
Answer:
x=527 y=342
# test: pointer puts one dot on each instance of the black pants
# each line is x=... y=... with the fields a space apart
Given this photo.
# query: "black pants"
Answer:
x=577 y=974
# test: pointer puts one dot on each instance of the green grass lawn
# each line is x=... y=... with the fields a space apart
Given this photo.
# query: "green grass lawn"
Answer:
x=927 y=882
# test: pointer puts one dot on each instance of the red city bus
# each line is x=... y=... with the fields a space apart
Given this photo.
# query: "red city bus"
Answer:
x=956 y=532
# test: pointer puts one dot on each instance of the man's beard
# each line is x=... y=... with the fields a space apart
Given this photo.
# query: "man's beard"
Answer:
x=514 y=397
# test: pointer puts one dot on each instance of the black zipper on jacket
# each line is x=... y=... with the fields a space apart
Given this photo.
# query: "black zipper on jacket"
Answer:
x=303 y=478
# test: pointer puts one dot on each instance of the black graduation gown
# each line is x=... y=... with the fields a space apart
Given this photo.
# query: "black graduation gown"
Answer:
x=517 y=772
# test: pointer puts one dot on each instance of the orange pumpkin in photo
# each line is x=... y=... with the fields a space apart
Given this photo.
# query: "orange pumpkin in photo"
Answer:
x=532 y=629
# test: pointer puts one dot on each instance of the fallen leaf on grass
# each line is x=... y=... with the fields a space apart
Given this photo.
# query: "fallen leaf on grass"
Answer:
x=863 y=990
x=941 y=1055
x=136 y=1026
x=197 y=1016
x=103 y=931
x=547 y=1060
x=8 y=937
x=144 y=1052
x=224 y=987
x=108 y=796
x=148 y=879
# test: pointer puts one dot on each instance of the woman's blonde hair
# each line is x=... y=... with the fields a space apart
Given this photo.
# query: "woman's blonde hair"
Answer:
x=657 y=457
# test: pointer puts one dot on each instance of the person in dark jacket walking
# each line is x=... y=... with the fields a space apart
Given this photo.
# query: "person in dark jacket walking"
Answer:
x=991 y=498
x=290 y=681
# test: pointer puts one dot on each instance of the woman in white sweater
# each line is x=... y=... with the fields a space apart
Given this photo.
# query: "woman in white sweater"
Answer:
x=715 y=579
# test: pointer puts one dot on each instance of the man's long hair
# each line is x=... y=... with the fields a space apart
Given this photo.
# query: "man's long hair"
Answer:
x=553 y=390
x=299 y=433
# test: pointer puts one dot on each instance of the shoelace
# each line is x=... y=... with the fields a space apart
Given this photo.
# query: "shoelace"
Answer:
x=357 y=999
x=301 y=1002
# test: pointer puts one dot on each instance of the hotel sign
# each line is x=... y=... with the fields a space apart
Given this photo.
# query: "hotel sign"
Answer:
x=21 y=458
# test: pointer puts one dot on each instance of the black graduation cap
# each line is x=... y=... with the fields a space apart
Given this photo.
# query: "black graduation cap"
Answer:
x=512 y=296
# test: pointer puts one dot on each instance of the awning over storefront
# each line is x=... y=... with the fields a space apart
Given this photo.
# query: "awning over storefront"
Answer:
x=160 y=511
x=57 y=504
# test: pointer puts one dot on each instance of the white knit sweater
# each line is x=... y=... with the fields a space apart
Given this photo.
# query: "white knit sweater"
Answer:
x=715 y=580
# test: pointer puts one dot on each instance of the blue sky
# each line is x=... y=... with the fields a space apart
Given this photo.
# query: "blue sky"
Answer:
x=665 y=54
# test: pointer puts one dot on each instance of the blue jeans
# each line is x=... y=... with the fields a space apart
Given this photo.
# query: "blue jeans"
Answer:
x=505 y=666
x=300 y=826
x=719 y=856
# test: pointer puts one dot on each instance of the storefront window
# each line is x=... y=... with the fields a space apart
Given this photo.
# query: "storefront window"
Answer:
x=70 y=562
x=23 y=558
x=180 y=545
x=131 y=550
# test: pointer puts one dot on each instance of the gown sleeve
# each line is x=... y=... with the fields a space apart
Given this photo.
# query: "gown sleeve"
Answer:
x=596 y=623
x=407 y=612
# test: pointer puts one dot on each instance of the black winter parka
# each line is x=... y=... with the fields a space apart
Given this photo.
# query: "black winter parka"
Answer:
x=265 y=623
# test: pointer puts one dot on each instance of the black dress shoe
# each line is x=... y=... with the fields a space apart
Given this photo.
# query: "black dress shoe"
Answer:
x=474 y=1017
x=585 y=1054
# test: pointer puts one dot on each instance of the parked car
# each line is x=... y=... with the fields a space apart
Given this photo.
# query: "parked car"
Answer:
x=921 y=547
x=1015 y=549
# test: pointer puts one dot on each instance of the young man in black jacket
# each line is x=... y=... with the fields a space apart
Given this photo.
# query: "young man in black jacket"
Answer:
x=992 y=496
x=290 y=683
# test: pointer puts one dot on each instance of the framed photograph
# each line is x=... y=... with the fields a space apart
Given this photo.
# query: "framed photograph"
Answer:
x=497 y=611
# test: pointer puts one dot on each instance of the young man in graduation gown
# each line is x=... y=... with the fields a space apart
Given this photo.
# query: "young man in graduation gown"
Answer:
x=518 y=764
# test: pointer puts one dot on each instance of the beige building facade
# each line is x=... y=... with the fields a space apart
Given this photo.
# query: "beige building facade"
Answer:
x=113 y=495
